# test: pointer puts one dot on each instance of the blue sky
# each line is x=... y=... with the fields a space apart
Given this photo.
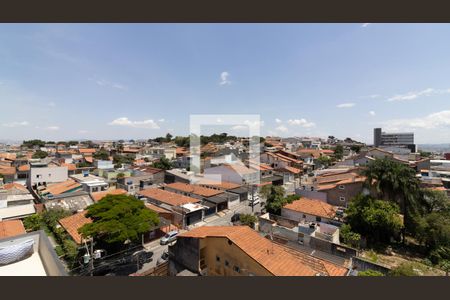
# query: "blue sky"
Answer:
x=112 y=81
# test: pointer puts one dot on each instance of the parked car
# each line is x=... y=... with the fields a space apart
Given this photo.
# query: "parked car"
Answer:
x=236 y=217
x=143 y=256
x=169 y=237
x=164 y=257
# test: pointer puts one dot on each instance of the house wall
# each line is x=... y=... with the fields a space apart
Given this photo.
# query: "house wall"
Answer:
x=184 y=254
x=219 y=246
x=48 y=175
x=226 y=174
x=351 y=190
x=299 y=216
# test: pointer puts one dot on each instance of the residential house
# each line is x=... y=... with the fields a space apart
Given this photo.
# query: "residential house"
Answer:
x=16 y=202
x=141 y=178
x=42 y=173
x=97 y=196
x=73 y=202
x=309 y=210
x=91 y=183
x=236 y=173
x=241 y=251
x=72 y=223
x=185 y=210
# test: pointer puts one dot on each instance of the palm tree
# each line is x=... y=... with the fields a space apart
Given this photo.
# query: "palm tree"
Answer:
x=394 y=181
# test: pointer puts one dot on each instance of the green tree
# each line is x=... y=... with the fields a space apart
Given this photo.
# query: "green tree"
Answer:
x=370 y=272
x=378 y=220
x=248 y=220
x=163 y=163
x=325 y=160
x=275 y=199
x=118 y=218
x=51 y=217
x=40 y=154
x=398 y=183
x=33 y=143
x=355 y=148
x=33 y=222
x=349 y=237
x=168 y=137
x=339 y=152
x=102 y=154
x=445 y=266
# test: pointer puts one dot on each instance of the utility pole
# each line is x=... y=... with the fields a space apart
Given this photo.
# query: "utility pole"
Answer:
x=91 y=261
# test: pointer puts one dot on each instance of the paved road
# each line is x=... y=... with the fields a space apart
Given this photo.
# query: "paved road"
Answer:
x=157 y=250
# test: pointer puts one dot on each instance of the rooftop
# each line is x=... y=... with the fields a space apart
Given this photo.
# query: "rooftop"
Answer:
x=312 y=207
x=173 y=199
x=72 y=223
x=11 y=228
x=194 y=189
x=277 y=259
x=97 y=196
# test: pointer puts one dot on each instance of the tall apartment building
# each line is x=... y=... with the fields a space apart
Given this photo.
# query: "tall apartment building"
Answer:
x=400 y=139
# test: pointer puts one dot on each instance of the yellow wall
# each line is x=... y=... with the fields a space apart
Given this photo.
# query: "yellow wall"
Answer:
x=216 y=246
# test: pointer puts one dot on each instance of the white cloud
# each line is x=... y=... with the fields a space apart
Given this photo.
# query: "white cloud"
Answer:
x=372 y=113
x=248 y=124
x=219 y=120
x=282 y=128
x=224 y=78
x=301 y=122
x=52 y=128
x=432 y=121
x=417 y=94
x=345 y=105
x=106 y=83
x=278 y=121
x=15 y=124
x=365 y=24
x=147 y=124
x=161 y=120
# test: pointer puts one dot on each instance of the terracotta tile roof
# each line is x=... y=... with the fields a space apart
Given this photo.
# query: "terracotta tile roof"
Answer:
x=87 y=150
x=130 y=150
x=14 y=185
x=259 y=166
x=72 y=223
x=181 y=150
x=275 y=258
x=290 y=159
x=24 y=168
x=11 y=228
x=194 y=189
x=62 y=187
x=97 y=196
x=89 y=159
x=157 y=208
x=313 y=152
x=277 y=157
x=7 y=170
x=70 y=167
x=312 y=207
x=167 y=197
x=327 y=151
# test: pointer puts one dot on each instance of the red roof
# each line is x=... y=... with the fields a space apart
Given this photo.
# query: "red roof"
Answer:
x=313 y=207
x=97 y=196
x=194 y=189
x=11 y=228
x=72 y=223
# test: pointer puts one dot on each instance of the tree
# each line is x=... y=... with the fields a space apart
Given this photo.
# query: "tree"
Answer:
x=275 y=199
x=168 y=137
x=40 y=154
x=378 y=220
x=445 y=266
x=324 y=160
x=102 y=154
x=182 y=141
x=248 y=220
x=395 y=182
x=370 y=272
x=33 y=222
x=355 y=148
x=339 y=152
x=118 y=218
x=349 y=237
x=163 y=164
x=33 y=143
x=51 y=217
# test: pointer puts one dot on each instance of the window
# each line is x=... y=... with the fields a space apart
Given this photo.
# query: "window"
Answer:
x=236 y=269
x=217 y=258
x=342 y=199
x=227 y=264
x=341 y=187
x=318 y=219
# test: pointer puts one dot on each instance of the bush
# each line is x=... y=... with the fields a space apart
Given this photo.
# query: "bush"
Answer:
x=33 y=222
x=249 y=220
x=347 y=236
x=370 y=273
x=405 y=269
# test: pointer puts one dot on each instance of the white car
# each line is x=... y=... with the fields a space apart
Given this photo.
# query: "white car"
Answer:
x=169 y=237
x=255 y=201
